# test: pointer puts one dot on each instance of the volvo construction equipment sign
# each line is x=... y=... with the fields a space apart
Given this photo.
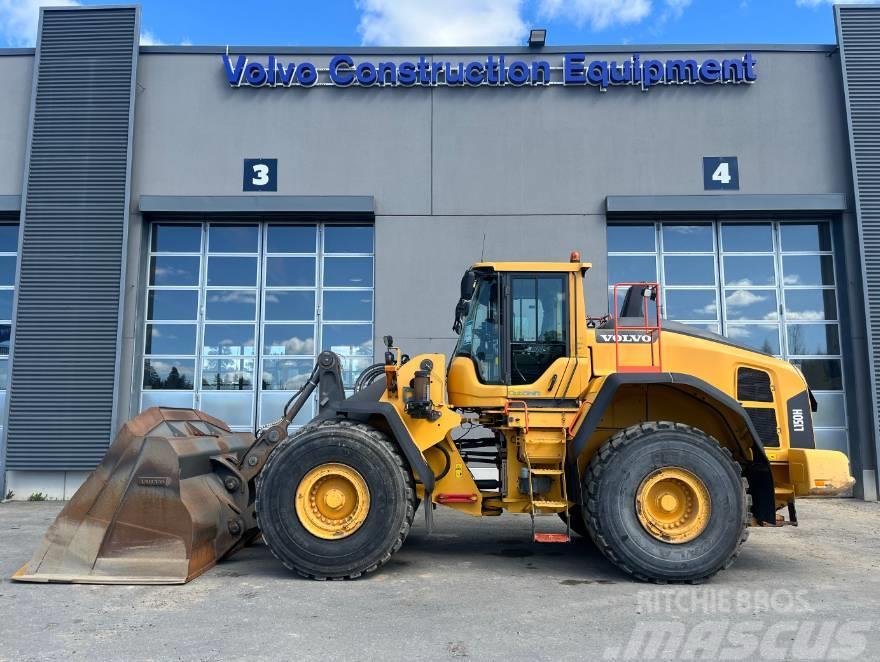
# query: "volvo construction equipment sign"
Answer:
x=572 y=70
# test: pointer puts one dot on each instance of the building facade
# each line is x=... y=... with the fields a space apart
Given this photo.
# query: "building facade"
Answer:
x=190 y=226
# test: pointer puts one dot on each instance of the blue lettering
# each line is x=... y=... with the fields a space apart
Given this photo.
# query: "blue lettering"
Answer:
x=750 y=63
x=620 y=75
x=474 y=74
x=491 y=71
x=653 y=73
x=387 y=73
x=344 y=77
x=454 y=76
x=306 y=74
x=597 y=74
x=424 y=74
x=710 y=71
x=233 y=74
x=541 y=67
x=682 y=71
x=518 y=73
x=406 y=73
x=573 y=69
x=366 y=74
x=732 y=71
x=255 y=74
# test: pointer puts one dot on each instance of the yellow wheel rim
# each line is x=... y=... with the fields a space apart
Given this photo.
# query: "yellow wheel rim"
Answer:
x=332 y=501
x=673 y=505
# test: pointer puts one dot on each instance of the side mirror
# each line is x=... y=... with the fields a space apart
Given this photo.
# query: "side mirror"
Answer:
x=388 y=340
x=468 y=282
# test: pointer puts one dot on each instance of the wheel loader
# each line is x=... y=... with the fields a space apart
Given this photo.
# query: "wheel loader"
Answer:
x=661 y=442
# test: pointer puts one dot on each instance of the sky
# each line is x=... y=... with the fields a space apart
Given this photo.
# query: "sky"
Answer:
x=456 y=22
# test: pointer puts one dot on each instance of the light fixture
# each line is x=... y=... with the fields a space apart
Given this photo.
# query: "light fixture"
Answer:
x=537 y=38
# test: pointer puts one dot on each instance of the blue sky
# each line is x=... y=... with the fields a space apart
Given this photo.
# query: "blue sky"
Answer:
x=457 y=22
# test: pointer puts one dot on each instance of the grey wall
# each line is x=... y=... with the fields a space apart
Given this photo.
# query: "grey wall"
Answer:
x=17 y=74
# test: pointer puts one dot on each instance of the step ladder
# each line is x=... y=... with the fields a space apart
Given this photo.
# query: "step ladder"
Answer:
x=535 y=504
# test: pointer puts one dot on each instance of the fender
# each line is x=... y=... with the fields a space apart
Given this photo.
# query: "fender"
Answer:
x=757 y=472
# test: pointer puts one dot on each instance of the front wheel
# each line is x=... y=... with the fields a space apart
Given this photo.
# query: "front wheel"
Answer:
x=665 y=502
x=335 y=501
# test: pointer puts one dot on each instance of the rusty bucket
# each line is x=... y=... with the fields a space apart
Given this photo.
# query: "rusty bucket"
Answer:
x=164 y=505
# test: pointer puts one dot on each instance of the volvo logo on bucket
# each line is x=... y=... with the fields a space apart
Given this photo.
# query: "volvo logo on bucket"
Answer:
x=571 y=70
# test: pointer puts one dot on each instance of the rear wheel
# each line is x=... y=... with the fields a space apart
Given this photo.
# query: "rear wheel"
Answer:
x=665 y=502
x=335 y=501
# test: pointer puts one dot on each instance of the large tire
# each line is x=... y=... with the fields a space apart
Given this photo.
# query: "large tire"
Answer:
x=385 y=473
x=621 y=468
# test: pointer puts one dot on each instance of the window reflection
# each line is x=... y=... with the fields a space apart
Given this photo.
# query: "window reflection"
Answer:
x=691 y=305
x=9 y=238
x=751 y=304
x=287 y=339
x=174 y=374
x=285 y=374
x=808 y=270
x=171 y=339
x=6 y=297
x=746 y=238
x=689 y=270
x=348 y=239
x=762 y=337
x=687 y=238
x=810 y=305
x=228 y=374
x=229 y=339
x=230 y=305
x=174 y=270
x=291 y=238
x=348 y=339
x=233 y=238
x=290 y=272
x=232 y=271
x=348 y=272
x=175 y=238
x=811 y=237
x=282 y=305
x=749 y=270
x=354 y=305
x=813 y=339
x=172 y=304
x=631 y=238
x=7 y=269
x=632 y=269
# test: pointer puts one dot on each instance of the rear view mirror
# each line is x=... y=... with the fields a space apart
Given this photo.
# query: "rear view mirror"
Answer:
x=468 y=282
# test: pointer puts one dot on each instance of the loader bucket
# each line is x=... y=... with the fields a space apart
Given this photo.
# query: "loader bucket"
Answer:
x=156 y=510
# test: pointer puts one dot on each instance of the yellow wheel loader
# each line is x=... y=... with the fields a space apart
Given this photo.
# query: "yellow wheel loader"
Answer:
x=661 y=442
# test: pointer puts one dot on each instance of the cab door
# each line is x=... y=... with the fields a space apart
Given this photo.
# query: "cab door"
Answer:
x=539 y=342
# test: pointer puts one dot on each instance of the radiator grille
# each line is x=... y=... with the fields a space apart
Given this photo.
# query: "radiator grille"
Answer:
x=753 y=385
x=73 y=240
x=764 y=421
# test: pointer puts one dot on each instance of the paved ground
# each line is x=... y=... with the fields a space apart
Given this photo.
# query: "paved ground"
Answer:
x=473 y=590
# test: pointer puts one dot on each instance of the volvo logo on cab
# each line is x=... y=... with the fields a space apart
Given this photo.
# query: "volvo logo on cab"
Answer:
x=631 y=338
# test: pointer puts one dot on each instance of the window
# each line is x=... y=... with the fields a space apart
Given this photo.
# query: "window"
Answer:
x=236 y=314
x=480 y=339
x=538 y=326
x=767 y=284
x=8 y=263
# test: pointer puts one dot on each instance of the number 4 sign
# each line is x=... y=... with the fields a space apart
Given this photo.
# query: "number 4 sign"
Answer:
x=260 y=175
x=720 y=173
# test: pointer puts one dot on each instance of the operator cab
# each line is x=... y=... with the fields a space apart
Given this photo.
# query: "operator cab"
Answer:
x=517 y=328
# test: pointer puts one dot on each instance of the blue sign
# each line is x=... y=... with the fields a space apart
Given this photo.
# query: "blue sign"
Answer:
x=720 y=173
x=574 y=69
x=260 y=175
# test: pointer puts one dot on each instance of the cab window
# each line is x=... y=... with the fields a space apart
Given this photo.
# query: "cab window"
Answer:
x=538 y=334
x=480 y=338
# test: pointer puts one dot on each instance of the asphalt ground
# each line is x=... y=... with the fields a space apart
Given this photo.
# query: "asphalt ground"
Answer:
x=474 y=589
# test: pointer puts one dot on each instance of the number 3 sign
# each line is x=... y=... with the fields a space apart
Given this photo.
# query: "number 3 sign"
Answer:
x=260 y=175
x=720 y=173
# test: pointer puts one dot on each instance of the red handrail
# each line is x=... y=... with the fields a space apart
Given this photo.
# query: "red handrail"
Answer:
x=648 y=328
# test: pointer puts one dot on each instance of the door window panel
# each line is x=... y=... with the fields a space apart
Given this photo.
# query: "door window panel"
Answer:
x=632 y=269
x=749 y=270
x=747 y=237
x=809 y=237
x=689 y=270
x=751 y=304
x=231 y=305
x=9 y=238
x=538 y=335
x=232 y=271
x=762 y=337
x=823 y=374
x=808 y=270
x=6 y=297
x=813 y=339
x=174 y=270
x=632 y=238
x=688 y=238
x=691 y=304
x=173 y=238
x=234 y=238
x=172 y=304
x=232 y=313
x=810 y=305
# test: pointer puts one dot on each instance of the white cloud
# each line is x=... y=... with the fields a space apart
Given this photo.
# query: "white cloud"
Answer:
x=19 y=19
x=441 y=22
x=149 y=38
x=599 y=14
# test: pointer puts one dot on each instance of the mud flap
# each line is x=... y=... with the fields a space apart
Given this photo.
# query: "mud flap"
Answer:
x=163 y=506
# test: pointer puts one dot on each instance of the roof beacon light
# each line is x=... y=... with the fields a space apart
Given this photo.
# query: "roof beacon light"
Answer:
x=575 y=256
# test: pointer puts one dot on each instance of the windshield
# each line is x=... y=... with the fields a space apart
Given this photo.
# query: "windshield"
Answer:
x=480 y=339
